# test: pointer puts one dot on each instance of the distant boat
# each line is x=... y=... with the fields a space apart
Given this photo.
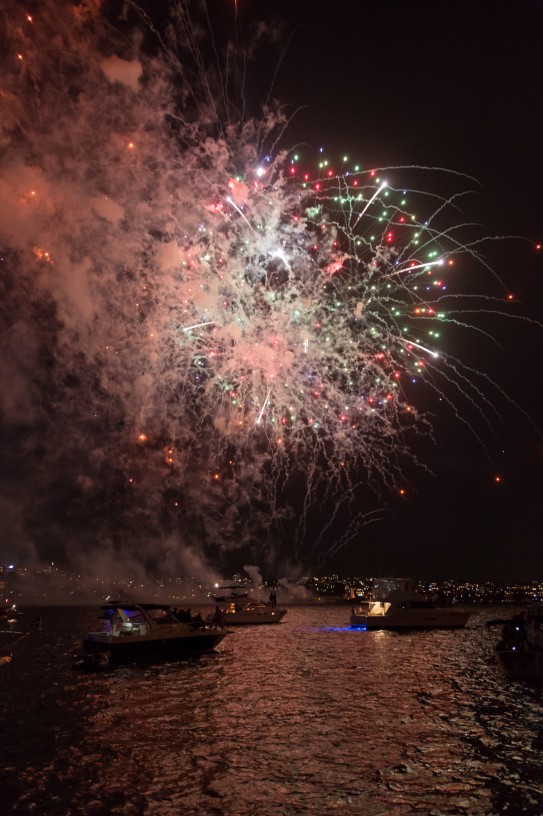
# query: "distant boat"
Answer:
x=519 y=651
x=250 y=613
x=9 y=613
x=133 y=631
x=402 y=607
x=11 y=638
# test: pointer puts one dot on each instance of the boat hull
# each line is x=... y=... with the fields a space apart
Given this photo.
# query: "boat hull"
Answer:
x=412 y=620
x=254 y=618
x=134 y=648
x=521 y=664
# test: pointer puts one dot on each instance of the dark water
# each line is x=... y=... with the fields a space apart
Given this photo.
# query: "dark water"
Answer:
x=306 y=717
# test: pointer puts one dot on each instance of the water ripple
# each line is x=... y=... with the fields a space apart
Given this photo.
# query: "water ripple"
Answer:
x=307 y=717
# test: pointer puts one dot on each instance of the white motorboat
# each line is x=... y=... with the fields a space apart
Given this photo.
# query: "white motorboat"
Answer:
x=519 y=652
x=397 y=605
x=9 y=613
x=250 y=612
x=132 y=631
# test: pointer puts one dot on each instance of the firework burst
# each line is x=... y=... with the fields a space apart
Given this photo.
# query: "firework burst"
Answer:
x=204 y=334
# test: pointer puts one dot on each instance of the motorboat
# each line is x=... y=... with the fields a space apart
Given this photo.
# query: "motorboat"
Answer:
x=398 y=605
x=519 y=651
x=9 y=613
x=10 y=638
x=251 y=612
x=131 y=631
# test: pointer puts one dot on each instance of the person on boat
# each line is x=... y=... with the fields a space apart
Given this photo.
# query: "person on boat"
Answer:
x=115 y=624
x=218 y=618
x=197 y=621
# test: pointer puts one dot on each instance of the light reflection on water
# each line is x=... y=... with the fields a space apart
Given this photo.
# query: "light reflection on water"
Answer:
x=294 y=718
x=350 y=629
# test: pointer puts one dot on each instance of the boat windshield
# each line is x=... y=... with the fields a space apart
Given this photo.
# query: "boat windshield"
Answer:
x=133 y=615
x=161 y=616
x=378 y=608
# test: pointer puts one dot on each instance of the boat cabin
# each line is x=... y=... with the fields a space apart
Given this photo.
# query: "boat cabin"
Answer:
x=135 y=619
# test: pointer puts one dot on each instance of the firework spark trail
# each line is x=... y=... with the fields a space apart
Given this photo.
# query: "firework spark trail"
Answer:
x=203 y=336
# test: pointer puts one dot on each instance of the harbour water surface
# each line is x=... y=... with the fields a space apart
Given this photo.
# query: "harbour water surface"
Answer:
x=304 y=717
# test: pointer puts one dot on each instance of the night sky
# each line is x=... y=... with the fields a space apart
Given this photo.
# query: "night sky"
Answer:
x=453 y=85
x=415 y=84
